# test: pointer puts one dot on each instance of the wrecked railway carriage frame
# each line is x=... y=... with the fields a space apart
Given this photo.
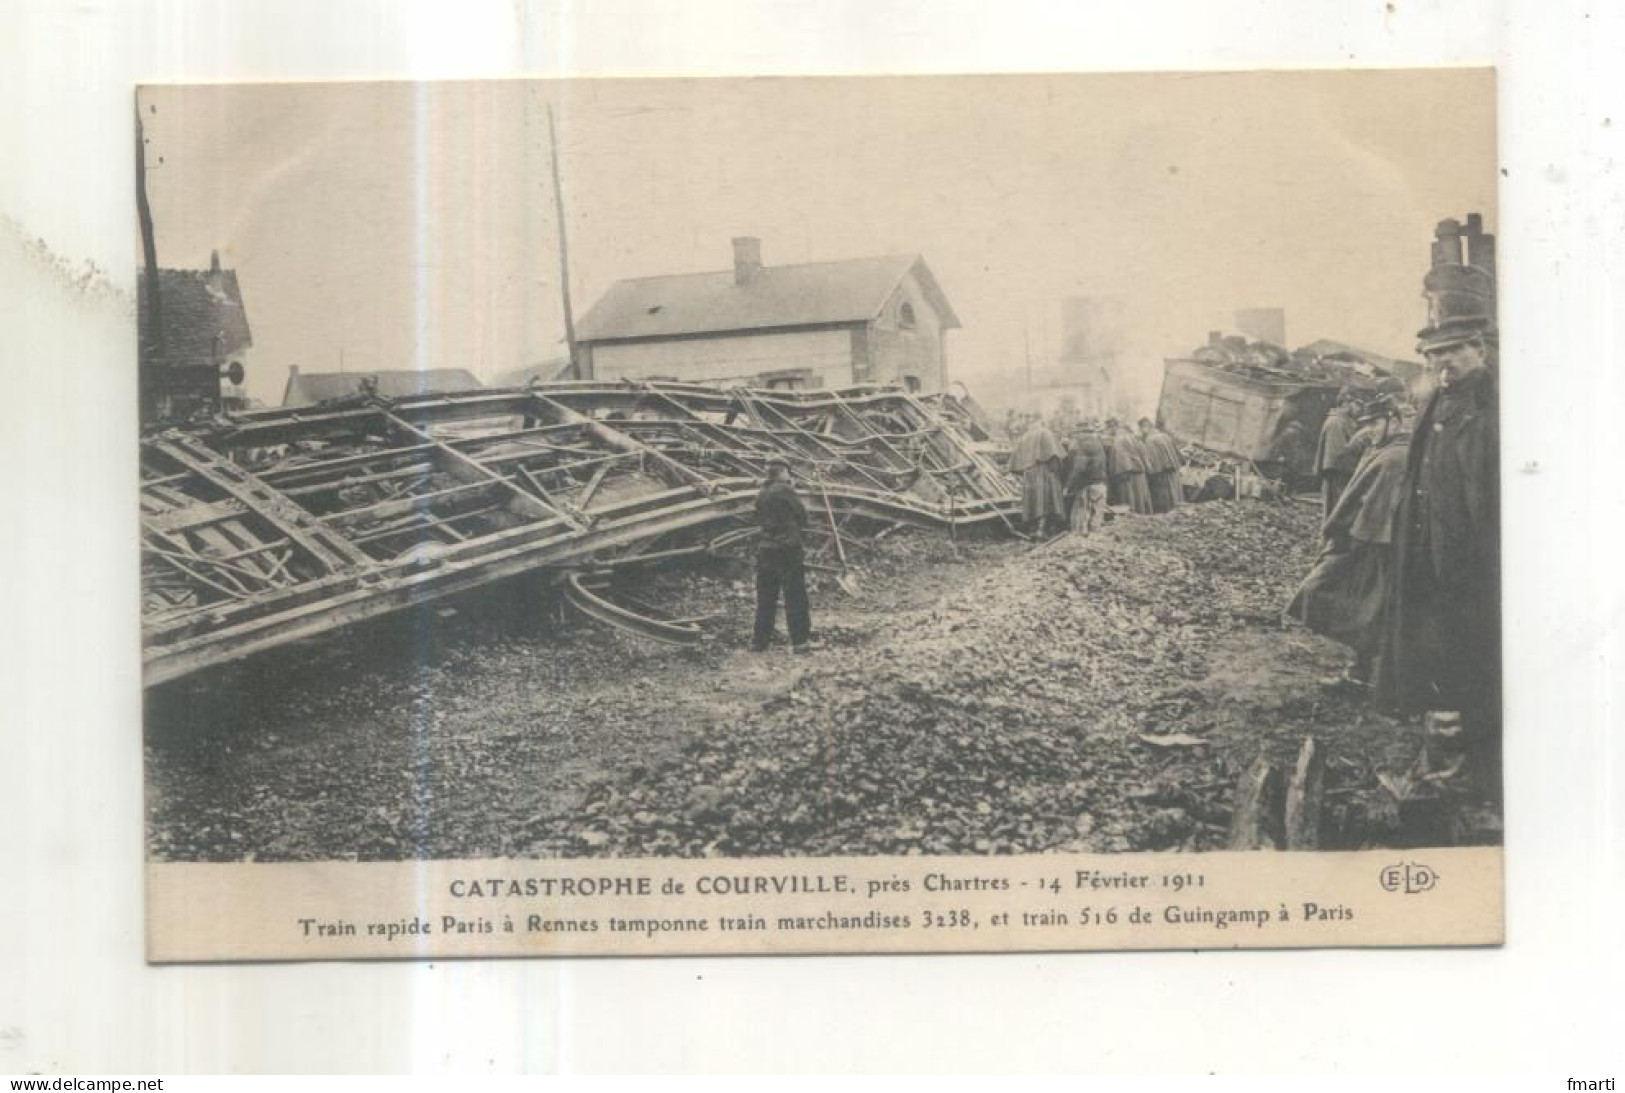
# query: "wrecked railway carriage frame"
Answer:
x=268 y=527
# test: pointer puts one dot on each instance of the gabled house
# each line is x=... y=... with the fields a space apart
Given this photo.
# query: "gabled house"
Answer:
x=205 y=340
x=815 y=324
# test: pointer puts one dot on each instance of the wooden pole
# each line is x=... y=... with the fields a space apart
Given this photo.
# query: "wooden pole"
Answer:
x=154 y=342
x=564 y=250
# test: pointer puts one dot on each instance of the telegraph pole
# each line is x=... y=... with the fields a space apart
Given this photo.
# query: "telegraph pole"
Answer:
x=149 y=248
x=564 y=249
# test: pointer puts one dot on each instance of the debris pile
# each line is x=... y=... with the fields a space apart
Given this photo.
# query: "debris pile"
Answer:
x=1101 y=694
x=268 y=527
x=1055 y=703
x=1275 y=363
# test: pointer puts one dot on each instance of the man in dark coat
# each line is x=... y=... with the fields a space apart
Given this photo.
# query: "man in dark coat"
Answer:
x=1335 y=433
x=1085 y=485
x=1125 y=467
x=1162 y=463
x=779 y=563
x=1443 y=653
x=1289 y=456
x=1345 y=596
x=1037 y=458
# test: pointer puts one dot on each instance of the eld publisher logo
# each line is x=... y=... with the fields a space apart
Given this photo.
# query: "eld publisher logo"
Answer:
x=1408 y=877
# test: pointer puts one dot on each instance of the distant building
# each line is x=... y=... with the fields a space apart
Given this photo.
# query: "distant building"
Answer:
x=817 y=324
x=1083 y=391
x=1080 y=383
x=308 y=388
x=1263 y=324
x=198 y=363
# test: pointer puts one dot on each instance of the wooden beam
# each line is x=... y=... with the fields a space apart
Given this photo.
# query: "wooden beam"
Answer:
x=281 y=476
x=559 y=506
x=330 y=552
x=399 y=506
x=193 y=516
x=1252 y=816
x=469 y=469
x=584 y=498
x=1304 y=797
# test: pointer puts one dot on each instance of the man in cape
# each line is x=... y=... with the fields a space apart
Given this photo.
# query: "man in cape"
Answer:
x=1037 y=458
x=1442 y=654
x=1346 y=595
x=1125 y=467
x=1162 y=462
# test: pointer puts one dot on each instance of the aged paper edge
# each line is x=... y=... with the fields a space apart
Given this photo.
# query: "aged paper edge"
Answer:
x=785 y=906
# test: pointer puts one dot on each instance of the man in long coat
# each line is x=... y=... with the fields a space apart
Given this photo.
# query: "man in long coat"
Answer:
x=1443 y=653
x=1345 y=596
x=1125 y=466
x=780 y=567
x=1037 y=458
x=1335 y=433
x=1162 y=462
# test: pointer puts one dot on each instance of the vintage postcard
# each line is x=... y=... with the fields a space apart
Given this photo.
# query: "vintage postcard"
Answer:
x=805 y=515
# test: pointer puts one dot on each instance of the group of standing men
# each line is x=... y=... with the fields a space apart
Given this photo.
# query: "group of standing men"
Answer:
x=1072 y=482
x=1347 y=434
x=1409 y=573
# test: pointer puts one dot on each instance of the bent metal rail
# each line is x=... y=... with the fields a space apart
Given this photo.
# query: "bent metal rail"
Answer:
x=267 y=527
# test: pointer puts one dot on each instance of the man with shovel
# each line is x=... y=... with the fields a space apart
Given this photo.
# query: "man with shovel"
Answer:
x=780 y=566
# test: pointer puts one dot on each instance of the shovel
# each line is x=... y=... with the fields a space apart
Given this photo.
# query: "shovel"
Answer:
x=847 y=581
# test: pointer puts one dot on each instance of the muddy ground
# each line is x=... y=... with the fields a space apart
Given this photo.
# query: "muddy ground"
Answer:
x=1095 y=693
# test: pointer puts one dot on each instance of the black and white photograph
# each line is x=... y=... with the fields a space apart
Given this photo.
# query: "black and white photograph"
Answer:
x=821 y=468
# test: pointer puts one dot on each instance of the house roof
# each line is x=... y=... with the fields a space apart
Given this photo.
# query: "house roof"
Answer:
x=305 y=388
x=204 y=320
x=810 y=294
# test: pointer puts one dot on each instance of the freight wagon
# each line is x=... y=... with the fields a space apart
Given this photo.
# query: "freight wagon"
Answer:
x=1239 y=410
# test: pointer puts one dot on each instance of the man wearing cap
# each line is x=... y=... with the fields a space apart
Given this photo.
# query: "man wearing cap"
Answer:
x=1345 y=596
x=1443 y=653
x=779 y=564
x=1335 y=433
x=1373 y=422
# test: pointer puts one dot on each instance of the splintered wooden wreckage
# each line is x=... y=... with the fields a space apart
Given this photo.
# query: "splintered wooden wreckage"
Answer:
x=267 y=527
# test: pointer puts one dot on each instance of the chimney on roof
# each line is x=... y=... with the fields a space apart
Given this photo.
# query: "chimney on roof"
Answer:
x=747 y=259
x=214 y=261
x=1447 y=243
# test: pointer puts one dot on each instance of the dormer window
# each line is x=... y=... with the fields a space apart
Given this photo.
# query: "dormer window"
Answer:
x=905 y=316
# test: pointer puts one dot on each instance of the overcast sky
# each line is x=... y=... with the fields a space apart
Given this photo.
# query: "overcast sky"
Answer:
x=407 y=225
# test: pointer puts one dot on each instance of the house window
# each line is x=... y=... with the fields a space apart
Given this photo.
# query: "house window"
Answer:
x=789 y=379
x=905 y=316
x=912 y=383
